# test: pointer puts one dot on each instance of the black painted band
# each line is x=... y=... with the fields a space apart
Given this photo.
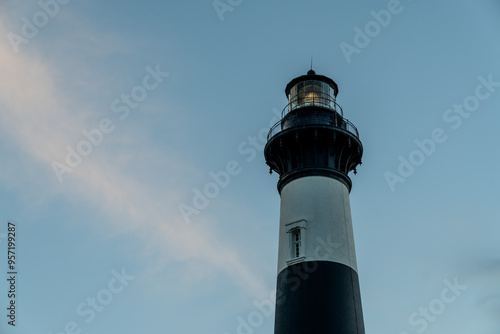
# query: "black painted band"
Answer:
x=314 y=171
x=318 y=297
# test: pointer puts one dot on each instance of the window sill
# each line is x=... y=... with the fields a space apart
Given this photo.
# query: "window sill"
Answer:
x=296 y=260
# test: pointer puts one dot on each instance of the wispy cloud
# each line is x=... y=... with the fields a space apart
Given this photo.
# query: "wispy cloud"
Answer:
x=35 y=119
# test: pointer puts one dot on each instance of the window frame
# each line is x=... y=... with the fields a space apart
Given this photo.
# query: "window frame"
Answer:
x=293 y=229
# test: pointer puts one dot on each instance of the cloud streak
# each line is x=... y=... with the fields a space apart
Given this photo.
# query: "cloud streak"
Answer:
x=35 y=119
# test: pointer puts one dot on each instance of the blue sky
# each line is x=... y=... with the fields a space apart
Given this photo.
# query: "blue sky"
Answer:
x=113 y=231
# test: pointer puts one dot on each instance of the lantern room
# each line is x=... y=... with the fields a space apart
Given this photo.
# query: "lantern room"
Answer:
x=311 y=90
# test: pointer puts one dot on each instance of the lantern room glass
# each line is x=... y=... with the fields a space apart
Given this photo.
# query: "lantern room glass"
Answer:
x=311 y=93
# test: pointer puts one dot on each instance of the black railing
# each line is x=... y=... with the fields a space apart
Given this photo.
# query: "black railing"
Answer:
x=333 y=119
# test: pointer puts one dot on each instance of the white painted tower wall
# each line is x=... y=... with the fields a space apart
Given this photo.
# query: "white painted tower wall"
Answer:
x=319 y=206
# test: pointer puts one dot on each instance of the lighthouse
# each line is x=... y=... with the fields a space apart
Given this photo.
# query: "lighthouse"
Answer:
x=313 y=148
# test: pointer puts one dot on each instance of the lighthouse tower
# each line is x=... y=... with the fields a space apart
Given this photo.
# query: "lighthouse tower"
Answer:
x=313 y=148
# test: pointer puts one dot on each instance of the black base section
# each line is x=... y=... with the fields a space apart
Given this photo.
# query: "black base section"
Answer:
x=318 y=297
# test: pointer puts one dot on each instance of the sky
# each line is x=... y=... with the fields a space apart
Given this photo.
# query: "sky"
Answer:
x=132 y=170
